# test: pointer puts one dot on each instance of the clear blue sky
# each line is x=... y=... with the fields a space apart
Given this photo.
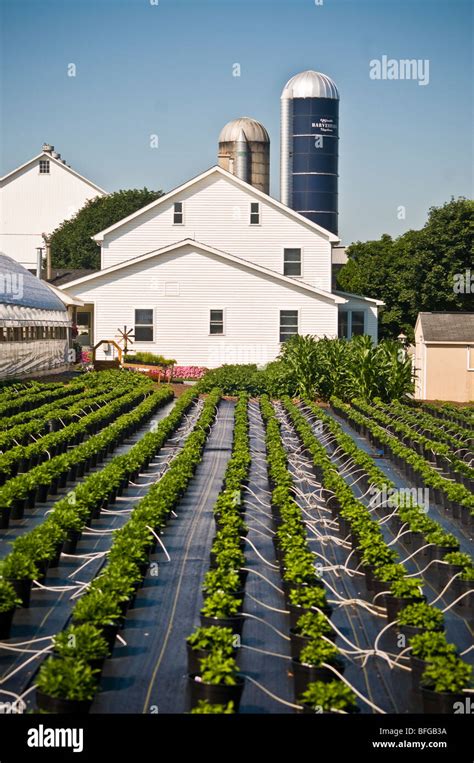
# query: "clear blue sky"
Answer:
x=166 y=69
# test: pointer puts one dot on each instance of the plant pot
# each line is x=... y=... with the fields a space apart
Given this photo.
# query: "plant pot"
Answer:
x=18 y=508
x=42 y=493
x=306 y=674
x=411 y=630
x=6 y=619
x=54 y=562
x=31 y=498
x=298 y=642
x=296 y=612
x=417 y=669
x=214 y=693
x=196 y=655
x=4 y=517
x=441 y=702
x=61 y=706
x=23 y=590
x=236 y=622
x=72 y=539
x=465 y=606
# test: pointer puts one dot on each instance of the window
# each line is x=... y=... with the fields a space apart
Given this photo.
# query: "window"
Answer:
x=351 y=323
x=292 y=262
x=178 y=213
x=254 y=213
x=143 y=325
x=44 y=166
x=288 y=324
x=216 y=322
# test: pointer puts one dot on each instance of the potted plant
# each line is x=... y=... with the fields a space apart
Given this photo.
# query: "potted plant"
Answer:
x=20 y=571
x=307 y=599
x=385 y=575
x=100 y=609
x=82 y=642
x=217 y=682
x=425 y=646
x=443 y=682
x=204 y=707
x=9 y=600
x=65 y=685
x=453 y=563
x=419 y=617
x=311 y=625
x=402 y=592
x=312 y=662
x=222 y=609
x=223 y=579
x=203 y=641
x=328 y=697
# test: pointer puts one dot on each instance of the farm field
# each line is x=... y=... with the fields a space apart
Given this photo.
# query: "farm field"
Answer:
x=215 y=554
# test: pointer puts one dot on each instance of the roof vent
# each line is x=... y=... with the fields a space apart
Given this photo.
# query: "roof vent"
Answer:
x=55 y=155
x=47 y=148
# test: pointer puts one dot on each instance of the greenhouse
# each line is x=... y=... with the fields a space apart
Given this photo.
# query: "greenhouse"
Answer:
x=34 y=324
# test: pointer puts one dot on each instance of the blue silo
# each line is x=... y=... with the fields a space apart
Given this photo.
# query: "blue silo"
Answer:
x=309 y=147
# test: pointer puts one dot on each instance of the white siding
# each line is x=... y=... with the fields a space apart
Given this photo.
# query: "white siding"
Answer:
x=32 y=204
x=217 y=213
x=251 y=302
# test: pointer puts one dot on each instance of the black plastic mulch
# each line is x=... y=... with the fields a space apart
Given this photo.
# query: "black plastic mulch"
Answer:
x=148 y=675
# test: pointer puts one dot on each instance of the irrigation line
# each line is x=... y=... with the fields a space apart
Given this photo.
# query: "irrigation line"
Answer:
x=267 y=606
x=270 y=694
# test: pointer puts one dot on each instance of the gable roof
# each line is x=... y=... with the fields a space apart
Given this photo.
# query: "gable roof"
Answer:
x=358 y=296
x=216 y=170
x=209 y=250
x=449 y=328
x=45 y=155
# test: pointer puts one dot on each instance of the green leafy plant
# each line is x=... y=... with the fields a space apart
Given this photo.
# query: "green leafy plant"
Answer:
x=97 y=608
x=430 y=644
x=221 y=605
x=447 y=674
x=217 y=669
x=204 y=707
x=213 y=638
x=313 y=625
x=308 y=597
x=18 y=566
x=67 y=678
x=421 y=615
x=328 y=697
x=407 y=588
x=84 y=642
x=318 y=652
x=8 y=598
x=221 y=579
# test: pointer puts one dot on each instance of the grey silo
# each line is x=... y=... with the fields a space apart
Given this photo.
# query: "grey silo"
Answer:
x=244 y=150
x=309 y=147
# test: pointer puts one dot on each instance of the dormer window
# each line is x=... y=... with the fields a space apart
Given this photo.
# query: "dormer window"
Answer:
x=254 y=213
x=44 y=167
x=178 y=213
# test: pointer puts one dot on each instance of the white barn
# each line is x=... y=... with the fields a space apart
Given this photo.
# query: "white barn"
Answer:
x=36 y=198
x=217 y=271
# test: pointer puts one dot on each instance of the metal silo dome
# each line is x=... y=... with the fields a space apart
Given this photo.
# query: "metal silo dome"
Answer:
x=254 y=131
x=244 y=150
x=310 y=84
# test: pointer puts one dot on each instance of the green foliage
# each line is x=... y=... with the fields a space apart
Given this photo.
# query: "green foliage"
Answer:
x=220 y=604
x=407 y=588
x=318 y=652
x=67 y=678
x=213 y=638
x=84 y=642
x=18 y=566
x=216 y=669
x=220 y=579
x=204 y=707
x=416 y=271
x=421 y=615
x=325 y=697
x=97 y=608
x=71 y=243
x=313 y=625
x=447 y=674
x=430 y=644
x=8 y=598
x=308 y=597
x=150 y=359
x=232 y=379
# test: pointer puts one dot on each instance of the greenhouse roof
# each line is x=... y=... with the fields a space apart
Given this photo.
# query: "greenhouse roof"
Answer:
x=20 y=288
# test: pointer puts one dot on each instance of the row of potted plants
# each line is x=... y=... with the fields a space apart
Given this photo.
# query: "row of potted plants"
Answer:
x=21 y=458
x=26 y=489
x=213 y=676
x=313 y=651
x=33 y=399
x=60 y=686
x=444 y=431
x=420 y=443
x=446 y=411
x=451 y=496
x=39 y=549
x=57 y=415
x=405 y=603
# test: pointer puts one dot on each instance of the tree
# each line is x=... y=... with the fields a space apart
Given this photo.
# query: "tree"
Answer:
x=422 y=270
x=71 y=243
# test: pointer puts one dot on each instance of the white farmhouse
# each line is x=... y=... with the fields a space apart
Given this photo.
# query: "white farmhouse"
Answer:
x=216 y=271
x=35 y=199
